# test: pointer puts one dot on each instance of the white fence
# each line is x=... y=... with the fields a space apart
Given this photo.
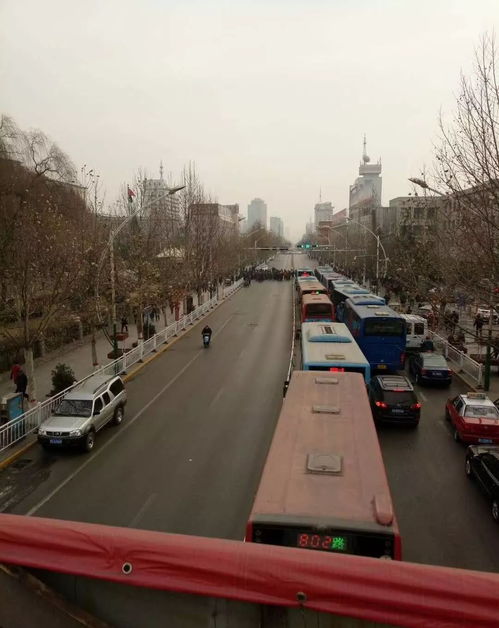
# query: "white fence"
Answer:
x=464 y=363
x=28 y=422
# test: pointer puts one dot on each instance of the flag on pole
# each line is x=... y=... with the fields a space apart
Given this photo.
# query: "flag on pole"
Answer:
x=131 y=194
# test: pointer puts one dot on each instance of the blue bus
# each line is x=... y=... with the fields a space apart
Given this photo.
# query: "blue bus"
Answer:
x=321 y=270
x=380 y=333
x=331 y=347
x=359 y=298
x=342 y=291
x=328 y=280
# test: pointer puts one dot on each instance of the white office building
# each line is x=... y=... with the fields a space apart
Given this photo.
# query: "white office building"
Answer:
x=277 y=226
x=323 y=212
x=257 y=213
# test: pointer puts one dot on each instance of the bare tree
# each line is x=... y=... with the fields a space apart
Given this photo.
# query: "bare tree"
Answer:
x=44 y=219
x=468 y=172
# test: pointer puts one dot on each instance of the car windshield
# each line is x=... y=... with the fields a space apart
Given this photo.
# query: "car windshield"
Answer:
x=435 y=360
x=74 y=407
x=489 y=412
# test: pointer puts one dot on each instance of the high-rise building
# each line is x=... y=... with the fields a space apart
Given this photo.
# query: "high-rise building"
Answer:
x=365 y=193
x=257 y=213
x=323 y=212
x=277 y=226
x=309 y=229
x=158 y=203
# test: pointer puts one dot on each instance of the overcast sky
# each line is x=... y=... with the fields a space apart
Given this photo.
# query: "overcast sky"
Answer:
x=270 y=98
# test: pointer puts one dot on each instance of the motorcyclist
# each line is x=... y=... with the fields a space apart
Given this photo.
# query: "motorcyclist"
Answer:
x=206 y=330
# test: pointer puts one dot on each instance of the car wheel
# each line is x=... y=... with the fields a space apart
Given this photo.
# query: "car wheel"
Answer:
x=89 y=442
x=467 y=468
x=495 y=510
x=457 y=438
x=118 y=415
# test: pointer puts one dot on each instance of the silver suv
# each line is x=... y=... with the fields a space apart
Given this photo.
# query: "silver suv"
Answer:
x=83 y=412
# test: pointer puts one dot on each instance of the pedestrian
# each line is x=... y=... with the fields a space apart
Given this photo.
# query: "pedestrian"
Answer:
x=124 y=324
x=14 y=371
x=387 y=297
x=428 y=344
x=21 y=383
x=478 y=324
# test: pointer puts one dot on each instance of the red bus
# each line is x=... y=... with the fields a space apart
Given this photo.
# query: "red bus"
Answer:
x=324 y=485
x=311 y=286
x=316 y=307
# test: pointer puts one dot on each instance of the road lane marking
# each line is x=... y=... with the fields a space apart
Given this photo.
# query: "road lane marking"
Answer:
x=217 y=397
x=142 y=510
x=423 y=396
x=124 y=426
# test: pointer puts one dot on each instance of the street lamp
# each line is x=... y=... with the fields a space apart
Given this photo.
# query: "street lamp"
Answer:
x=375 y=235
x=422 y=184
x=110 y=244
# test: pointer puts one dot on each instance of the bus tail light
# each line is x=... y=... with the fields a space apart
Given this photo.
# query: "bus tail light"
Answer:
x=381 y=404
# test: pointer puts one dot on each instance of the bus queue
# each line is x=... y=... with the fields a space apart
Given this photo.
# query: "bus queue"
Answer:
x=324 y=485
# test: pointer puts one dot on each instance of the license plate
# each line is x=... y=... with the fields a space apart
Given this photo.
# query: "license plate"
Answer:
x=56 y=441
x=437 y=373
x=485 y=440
x=382 y=366
x=397 y=411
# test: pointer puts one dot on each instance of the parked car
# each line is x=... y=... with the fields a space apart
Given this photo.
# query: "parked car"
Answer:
x=393 y=400
x=424 y=310
x=484 y=311
x=474 y=418
x=83 y=412
x=430 y=368
x=482 y=464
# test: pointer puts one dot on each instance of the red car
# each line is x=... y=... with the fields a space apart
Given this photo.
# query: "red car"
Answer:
x=474 y=417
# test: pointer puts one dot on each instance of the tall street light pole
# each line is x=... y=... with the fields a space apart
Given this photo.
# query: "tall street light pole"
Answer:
x=379 y=245
x=112 y=237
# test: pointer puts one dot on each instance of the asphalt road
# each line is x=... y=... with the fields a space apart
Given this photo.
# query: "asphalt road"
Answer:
x=199 y=423
x=188 y=456
x=444 y=518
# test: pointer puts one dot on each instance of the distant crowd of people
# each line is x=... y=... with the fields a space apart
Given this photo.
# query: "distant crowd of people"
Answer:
x=259 y=274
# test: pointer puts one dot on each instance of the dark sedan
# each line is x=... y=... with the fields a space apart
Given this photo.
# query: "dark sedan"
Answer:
x=430 y=368
x=482 y=463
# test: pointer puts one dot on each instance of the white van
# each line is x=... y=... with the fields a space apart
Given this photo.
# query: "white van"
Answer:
x=416 y=330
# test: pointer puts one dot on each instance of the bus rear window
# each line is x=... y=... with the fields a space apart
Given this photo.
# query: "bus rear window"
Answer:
x=384 y=327
x=316 y=309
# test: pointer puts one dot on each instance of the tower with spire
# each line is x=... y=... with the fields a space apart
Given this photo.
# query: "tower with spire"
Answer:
x=365 y=193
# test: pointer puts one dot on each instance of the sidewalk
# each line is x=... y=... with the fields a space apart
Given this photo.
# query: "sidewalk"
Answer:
x=78 y=356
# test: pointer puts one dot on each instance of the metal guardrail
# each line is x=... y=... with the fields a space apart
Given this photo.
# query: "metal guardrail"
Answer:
x=465 y=364
x=17 y=429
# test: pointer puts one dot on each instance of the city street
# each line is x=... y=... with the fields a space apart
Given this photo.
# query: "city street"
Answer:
x=189 y=454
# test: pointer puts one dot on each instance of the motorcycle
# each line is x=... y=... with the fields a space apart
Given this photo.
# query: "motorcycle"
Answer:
x=206 y=340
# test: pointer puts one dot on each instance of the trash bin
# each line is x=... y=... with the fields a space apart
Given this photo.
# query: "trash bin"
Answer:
x=11 y=408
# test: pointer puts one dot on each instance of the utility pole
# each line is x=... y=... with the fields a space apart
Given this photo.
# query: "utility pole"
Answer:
x=488 y=354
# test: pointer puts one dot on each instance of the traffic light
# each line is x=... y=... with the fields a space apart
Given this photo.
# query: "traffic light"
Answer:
x=307 y=246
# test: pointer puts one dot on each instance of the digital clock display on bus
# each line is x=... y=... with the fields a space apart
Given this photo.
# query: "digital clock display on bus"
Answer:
x=332 y=543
